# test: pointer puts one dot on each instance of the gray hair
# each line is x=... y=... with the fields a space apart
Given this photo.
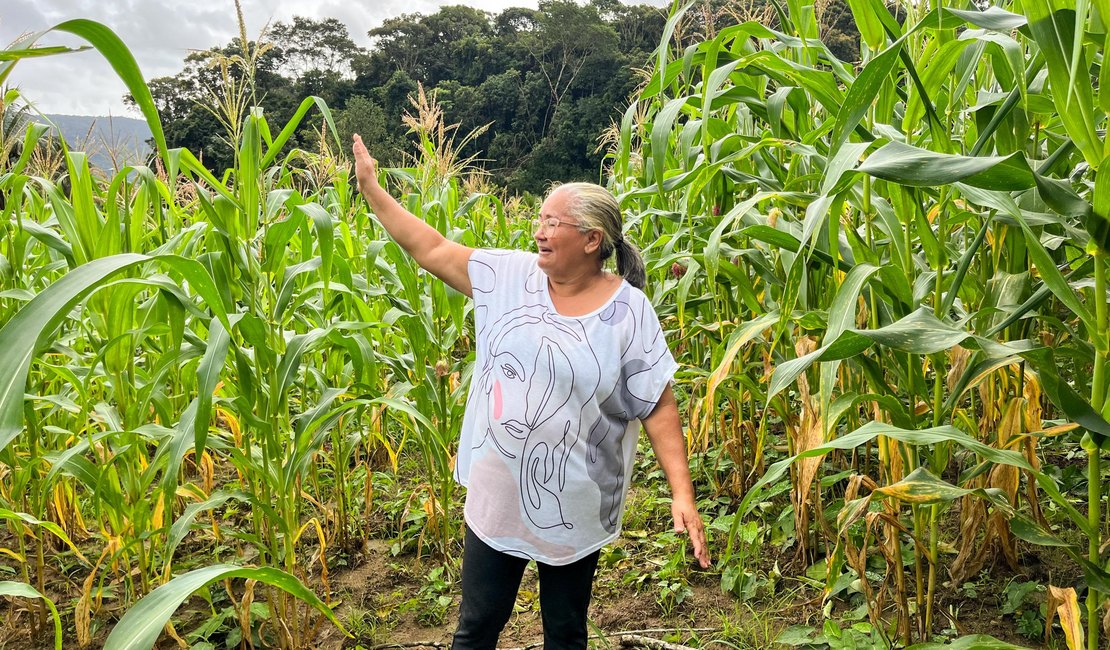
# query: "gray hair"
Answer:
x=595 y=208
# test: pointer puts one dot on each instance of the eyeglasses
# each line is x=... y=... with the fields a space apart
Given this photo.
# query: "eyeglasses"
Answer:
x=548 y=225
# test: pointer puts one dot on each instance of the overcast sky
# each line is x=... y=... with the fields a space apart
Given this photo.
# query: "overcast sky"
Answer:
x=160 y=35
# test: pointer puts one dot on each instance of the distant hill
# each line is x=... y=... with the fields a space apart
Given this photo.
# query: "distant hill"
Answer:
x=106 y=139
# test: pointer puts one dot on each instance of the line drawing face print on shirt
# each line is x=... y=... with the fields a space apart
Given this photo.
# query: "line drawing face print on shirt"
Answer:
x=528 y=379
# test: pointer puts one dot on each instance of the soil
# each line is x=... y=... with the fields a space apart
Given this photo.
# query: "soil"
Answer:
x=378 y=599
x=382 y=598
x=616 y=608
x=383 y=584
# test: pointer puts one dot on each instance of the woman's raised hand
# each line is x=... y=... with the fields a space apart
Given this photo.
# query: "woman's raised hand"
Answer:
x=439 y=256
x=366 y=168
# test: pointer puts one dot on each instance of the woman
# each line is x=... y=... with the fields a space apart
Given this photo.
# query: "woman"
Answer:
x=570 y=360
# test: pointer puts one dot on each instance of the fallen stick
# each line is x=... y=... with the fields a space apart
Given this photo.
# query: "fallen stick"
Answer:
x=634 y=638
x=637 y=641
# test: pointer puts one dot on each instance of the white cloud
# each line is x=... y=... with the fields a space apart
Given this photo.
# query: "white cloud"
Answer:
x=161 y=34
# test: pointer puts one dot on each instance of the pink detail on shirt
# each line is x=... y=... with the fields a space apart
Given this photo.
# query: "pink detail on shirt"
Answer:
x=497 y=400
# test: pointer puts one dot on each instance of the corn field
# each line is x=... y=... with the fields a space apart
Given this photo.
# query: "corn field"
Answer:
x=885 y=283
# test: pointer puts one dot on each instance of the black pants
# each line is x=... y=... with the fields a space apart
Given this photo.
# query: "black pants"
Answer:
x=490 y=581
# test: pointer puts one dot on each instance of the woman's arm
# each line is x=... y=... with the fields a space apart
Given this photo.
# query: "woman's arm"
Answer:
x=435 y=253
x=664 y=429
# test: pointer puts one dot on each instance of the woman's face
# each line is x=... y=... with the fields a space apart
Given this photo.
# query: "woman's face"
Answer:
x=563 y=248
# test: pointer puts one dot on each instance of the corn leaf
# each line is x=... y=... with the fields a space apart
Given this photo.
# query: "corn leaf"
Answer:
x=21 y=590
x=30 y=328
x=140 y=626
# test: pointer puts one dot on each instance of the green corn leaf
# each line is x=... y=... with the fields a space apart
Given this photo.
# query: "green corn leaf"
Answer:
x=123 y=62
x=1104 y=71
x=1053 y=278
x=22 y=336
x=32 y=52
x=994 y=18
x=50 y=239
x=31 y=138
x=999 y=115
x=71 y=461
x=867 y=18
x=935 y=76
x=842 y=312
x=183 y=524
x=407 y=408
x=1098 y=222
x=909 y=165
x=786 y=241
x=289 y=284
x=208 y=377
x=842 y=315
x=624 y=152
x=1053 y=28
x=291 y=127
x=965 y=263
x=862 y=93
x=140 y=626
x=685 y=285
x=291 y=362
x=1030 y=531
x=1033 y=533
x=325 y=237
x=973 y=642
x=931 y=436
x=21 y=590
x=872 y=430
x=776 y=105
x=837 y=178
x=919 y=333
x=661 y=130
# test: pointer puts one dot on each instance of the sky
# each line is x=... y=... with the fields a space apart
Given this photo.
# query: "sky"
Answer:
x=160 y=34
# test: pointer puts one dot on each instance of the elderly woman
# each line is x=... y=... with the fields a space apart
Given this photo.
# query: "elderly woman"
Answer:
x=570 y=360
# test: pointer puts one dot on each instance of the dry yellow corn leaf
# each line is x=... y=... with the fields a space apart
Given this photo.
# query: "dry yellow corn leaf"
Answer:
x=1065 y=603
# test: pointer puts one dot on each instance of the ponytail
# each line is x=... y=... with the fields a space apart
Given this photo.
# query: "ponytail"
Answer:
x=630 y=265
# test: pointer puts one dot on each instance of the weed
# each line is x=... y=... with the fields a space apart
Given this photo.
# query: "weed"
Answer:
x=434 y=597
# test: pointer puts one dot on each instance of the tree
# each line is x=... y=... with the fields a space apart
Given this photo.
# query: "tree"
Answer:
x=569 y=36
x=196 y=105
x=397 y=45
x=547 y=81
x=309 y=47
x=363 y=116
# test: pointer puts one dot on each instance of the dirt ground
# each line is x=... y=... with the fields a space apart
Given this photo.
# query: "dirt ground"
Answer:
x=381 y=584
x=378 y=599
x=377 y=586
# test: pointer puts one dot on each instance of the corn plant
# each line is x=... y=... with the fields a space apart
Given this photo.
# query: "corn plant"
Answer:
x=173 y=327
x=853 y=244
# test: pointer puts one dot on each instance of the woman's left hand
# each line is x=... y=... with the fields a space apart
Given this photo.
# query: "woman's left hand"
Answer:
x=687 y=520
x=664 y=429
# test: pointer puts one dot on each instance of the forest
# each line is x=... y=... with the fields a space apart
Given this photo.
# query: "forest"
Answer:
x=539 y=89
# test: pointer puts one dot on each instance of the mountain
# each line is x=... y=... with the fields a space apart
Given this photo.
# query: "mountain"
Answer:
x=110 y=142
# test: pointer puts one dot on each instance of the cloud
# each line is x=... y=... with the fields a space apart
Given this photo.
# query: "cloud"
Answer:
x=160 y=35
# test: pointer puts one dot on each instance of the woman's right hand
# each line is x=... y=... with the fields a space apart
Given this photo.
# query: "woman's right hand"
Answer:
x=438 y=255
x=366 y=168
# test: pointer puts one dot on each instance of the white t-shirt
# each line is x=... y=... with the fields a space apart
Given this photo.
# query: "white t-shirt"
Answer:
x=553 y=414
